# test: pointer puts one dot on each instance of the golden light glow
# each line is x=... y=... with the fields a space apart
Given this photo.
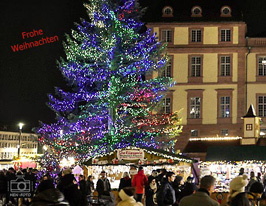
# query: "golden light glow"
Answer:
x=214 y=138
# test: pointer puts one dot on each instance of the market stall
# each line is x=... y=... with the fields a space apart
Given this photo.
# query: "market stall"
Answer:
x=5 y=164
x=126 y=160
x=224 y=164
x=24 y=163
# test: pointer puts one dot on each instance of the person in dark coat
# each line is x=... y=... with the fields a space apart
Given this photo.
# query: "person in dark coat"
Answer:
x=252 y=179
x=125 y=181
x=82 y=185
x=150 y=191
x=239 y=200
x=90 y=188
x=90 y=185
x=202 y=196
x=70 y=190
x=188 y=189
x=255 y=193
x=154 y=174
x=103 y=185
x=259 y=177
x=10 y=175
x=3 y=185
x=43 y=185
x=166 y=195
x=241 y=171
x=48 y=196
x=161 y=176
x=178 y=186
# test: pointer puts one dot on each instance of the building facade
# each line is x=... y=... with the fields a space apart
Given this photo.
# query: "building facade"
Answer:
x=9 y=144
x=218 y=70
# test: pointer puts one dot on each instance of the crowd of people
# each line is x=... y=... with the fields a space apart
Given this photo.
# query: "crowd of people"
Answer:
x=160 y=188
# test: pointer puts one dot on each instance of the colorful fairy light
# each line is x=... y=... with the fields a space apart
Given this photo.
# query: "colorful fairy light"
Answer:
x=111 y=103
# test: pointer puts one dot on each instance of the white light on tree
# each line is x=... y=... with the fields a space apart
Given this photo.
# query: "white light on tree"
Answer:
x=67 y=162
x=45 y=147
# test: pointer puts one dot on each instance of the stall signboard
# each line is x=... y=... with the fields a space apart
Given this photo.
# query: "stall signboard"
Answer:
x=131 y=154
x=20 y=186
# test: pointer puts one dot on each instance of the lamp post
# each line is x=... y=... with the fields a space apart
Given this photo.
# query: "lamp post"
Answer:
x=20 y=125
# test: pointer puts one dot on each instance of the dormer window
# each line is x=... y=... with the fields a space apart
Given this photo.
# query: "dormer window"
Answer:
x=196 y=11
x=226 y=11
x=167 y=11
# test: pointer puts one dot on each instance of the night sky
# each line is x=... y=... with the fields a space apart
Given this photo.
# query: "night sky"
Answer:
x=26 y=77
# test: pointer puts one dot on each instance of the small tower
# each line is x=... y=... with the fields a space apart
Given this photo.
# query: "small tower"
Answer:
x=251 y=127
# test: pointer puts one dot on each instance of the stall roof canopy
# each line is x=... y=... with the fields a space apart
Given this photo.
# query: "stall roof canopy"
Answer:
x=153 y=153
x=236 y=153
x=170 y=154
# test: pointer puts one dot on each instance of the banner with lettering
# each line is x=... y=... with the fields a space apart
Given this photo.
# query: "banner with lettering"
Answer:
x=132 y=154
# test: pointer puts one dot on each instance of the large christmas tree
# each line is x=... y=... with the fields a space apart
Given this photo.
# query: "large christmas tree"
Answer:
x=111 y=103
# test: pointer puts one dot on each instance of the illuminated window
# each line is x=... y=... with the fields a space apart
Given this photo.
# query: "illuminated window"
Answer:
x=249 y=127
x=167 y=72
x=194 y=133
x=262 y=132
x=262 y=66
x=195 y=107
x=224 y=132
x=224 y=107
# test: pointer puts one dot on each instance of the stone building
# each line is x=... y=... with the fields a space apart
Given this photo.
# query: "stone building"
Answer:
x=219 y=69
x=9 y=144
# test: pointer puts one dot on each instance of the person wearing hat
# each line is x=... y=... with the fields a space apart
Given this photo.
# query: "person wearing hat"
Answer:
x=127 y=196
x=202 y=196
x=237 y=195
x=255 y=193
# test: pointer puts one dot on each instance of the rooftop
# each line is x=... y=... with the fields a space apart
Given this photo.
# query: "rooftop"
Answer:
x=210 y=10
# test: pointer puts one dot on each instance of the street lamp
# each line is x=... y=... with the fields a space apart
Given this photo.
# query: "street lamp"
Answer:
x=45 y=148
x=20 y=125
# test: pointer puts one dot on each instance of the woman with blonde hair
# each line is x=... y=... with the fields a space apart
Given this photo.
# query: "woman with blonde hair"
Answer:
x=125 y=181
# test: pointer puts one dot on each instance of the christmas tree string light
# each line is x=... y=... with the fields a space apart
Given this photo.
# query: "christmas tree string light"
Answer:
x=111 y=105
